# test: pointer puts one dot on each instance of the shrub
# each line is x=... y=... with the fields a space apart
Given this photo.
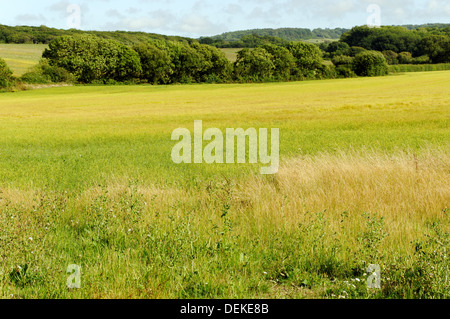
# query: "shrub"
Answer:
x=370 y=63
x=391 y=57
x=156 y=63
x=255 y=65
x=353 y=51
x=342 y=60
x=424 y=59
x=437 y=47
x=44 y=73
x=405 y=58
x=308 y=58
x=91 y=58
x=6 y=78
x=343 y=71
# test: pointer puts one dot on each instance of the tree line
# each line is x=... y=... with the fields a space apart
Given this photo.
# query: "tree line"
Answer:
x=362 y=51
x=398 y=44
x=91 y=59
x=44 y=35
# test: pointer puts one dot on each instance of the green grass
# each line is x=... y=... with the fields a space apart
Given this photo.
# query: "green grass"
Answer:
x=21 y=57
x=231 y=53
x=86 y=178
x=73 y=137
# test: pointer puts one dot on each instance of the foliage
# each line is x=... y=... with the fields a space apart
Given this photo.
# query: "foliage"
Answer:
x=44 y=73
x=370 y=63
x=256 y=37
x=91 y=58
x=43 y=34
x=404 y=58
x=254 y=65
x=283 y=61
x=391 y=57
x=6 y=79
x=308 y=58
x=418 y=67
x=437 y=47
x=155 y=62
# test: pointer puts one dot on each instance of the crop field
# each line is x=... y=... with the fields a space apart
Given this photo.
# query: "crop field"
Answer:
x=86 y=178
x=20 y=57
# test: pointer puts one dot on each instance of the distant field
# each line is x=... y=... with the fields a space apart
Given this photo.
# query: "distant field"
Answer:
x=20 y=57
x=231 y=53
x=86 y=178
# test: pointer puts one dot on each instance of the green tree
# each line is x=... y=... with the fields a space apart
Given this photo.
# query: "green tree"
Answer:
x=391 y=57
x=186 y=62
x=337 y=48
x=405 y=58
x=254 y=65
x=6 y=79
x=437 y=47
x=308 y=58
x=91 y=58
x=283 y=61
x=155 y=62
x=370 y=63
x=216 y=67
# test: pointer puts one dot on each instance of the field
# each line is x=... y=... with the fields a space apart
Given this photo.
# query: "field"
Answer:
x=20 y=57
x=86 y=178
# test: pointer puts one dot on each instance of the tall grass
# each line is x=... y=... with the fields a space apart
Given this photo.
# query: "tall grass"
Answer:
x=310 y=231
x=86 y=178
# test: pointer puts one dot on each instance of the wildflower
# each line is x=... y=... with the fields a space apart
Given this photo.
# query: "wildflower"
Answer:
x=31 y=238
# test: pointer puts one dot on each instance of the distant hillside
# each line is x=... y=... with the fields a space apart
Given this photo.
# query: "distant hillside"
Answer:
x=43 y=34
x=289 y=34
x=240 y=38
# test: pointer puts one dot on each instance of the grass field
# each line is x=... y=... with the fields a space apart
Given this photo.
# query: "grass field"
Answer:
x=86 y=178
x=20 y=57
x=231 y=53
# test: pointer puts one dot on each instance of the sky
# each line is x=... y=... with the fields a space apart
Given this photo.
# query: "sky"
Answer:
x=210 y=17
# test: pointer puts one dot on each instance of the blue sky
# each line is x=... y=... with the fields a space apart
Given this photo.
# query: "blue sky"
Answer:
x=209 y=17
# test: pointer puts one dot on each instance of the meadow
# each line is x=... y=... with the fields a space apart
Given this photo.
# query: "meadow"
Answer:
x=21 y=57
x=86 y=178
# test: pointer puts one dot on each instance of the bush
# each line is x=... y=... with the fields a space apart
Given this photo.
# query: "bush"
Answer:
x=91 y=58
x=391 y=57
x=283 y=60
x=44 y=73
x=253 y=65
x=424 y=59
x=342 y=60
x=437 y=47
x=155 y=62
x=308 y=58
x=343 y=71
x=6 y=78
x=353 y=51
x=370 y=63
x=418 y=67
x=405 y=58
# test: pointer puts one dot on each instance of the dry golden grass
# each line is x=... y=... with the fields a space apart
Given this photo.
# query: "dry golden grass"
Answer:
x=407 y=190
